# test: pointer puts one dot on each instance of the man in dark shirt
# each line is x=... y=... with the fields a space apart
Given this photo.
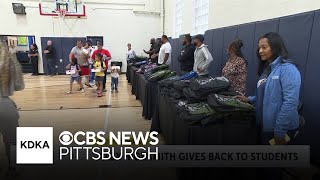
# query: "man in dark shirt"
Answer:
x=33 y=55
x=51 y=61
x=157 y=46
x=186 y=57
x=151 y=51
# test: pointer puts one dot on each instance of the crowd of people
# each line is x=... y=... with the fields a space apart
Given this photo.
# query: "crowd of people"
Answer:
x=277 y=94
x=277 y=90
x=86 y=63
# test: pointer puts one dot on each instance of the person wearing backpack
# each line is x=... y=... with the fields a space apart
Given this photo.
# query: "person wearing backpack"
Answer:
x=76 y=69
x=278 y=91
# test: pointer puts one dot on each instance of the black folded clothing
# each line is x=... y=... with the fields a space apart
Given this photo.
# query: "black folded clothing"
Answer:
x=198 y=113
x=160 y=68
x=192 y=96
x=207 y=85
x=229 y=92
x=169 y=81
x=176 y=94
x=223 y=103
x=180 y=85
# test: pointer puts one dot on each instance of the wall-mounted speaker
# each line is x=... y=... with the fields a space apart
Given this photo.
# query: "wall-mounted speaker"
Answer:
x=18 y=8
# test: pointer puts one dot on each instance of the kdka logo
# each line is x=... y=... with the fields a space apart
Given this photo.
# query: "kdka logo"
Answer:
x=34 y=145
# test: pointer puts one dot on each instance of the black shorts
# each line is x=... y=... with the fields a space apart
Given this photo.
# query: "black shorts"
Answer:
x=99 y=78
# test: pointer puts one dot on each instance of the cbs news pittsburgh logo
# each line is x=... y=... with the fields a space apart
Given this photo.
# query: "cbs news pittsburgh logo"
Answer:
x=34 y=145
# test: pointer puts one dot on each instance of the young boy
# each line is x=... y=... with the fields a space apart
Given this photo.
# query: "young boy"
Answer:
x=115 y=71
x=75 y=76
x=101 y=67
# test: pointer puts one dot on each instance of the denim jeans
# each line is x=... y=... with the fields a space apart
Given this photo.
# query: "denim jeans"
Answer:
x=92 y=75
x=114 y=83
x=51 y=64
x=104 y=81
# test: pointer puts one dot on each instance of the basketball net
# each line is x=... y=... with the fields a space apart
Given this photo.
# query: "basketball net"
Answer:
x=62 y=13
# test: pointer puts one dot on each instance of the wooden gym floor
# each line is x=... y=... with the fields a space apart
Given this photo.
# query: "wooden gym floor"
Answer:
x=45 y=103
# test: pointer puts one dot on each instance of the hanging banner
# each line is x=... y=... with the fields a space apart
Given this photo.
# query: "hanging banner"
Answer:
x=22 y=41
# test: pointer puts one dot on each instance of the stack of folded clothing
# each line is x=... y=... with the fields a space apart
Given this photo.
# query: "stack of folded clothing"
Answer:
x=176 y=89
x=160 y=75
x=180 y=85
x=205 y=86
x=201 y=87
x=173 y=87
x=224 y=103
x=205 y=100
x=167 y=84
x=198 y=113
x=176 y=94
x=133 y=61
x=146 y=67
x=138 y=64
x=189 y=76
x=153 y=70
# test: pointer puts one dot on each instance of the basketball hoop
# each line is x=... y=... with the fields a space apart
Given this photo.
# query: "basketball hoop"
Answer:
x=62 y=13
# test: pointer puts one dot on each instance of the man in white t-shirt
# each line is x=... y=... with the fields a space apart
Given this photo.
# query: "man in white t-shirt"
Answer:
x=165 y=51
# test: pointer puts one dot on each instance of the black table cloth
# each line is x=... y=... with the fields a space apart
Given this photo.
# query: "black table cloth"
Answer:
x=141 y=88
x=130 y=73
x=134 y=80
x=149 y=103
x=234 y=131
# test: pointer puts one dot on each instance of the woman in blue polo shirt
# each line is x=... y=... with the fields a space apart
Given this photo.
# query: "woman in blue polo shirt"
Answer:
x=277 y=96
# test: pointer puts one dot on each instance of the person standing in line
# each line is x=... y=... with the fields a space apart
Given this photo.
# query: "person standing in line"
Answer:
x=186 y=57
x=51 y=61
x=152 y=48
x=131 y=54
x=34 y=57
x=277 y=97
x=11 y=80
x=87 y=52
x=101 y=67
x=278 y=91
x=77 y=52
x=155 y=55
x=106 y=57
x=202 y=56
x=164 y=56
x=235 y=69
x=92 y=74
x=76 y=69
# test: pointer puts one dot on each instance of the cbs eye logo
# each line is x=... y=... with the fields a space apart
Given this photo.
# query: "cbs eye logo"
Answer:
x=66 y=138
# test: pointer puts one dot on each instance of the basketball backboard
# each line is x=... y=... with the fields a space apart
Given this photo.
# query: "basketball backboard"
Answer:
x=74 y=8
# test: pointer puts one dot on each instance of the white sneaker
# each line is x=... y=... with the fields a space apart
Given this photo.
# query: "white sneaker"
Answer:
x=69 y=92
x=83 y=91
